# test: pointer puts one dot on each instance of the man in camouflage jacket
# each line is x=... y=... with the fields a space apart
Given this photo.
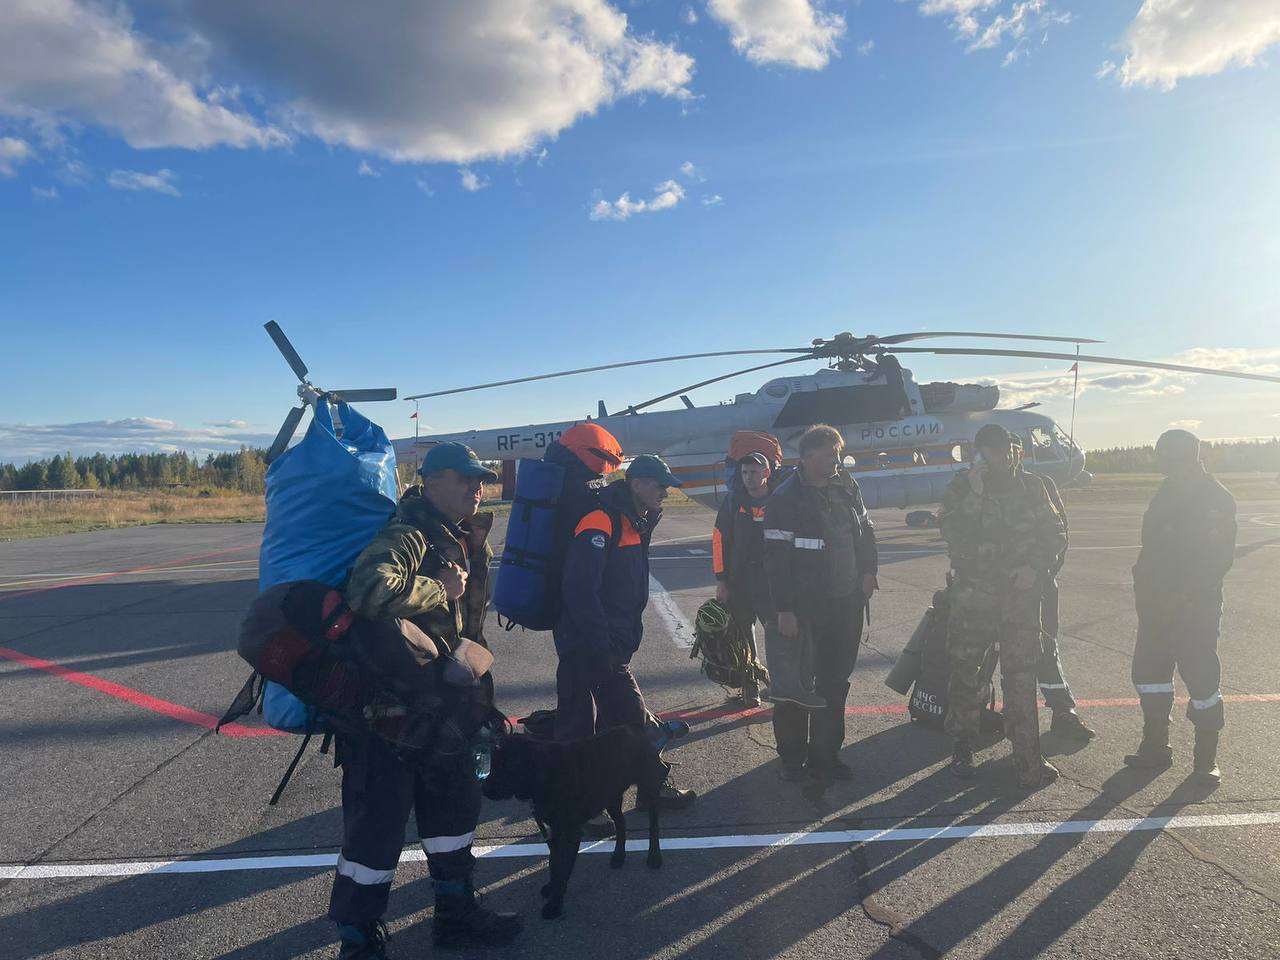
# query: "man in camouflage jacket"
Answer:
x=430 y=565
x=1003 y=536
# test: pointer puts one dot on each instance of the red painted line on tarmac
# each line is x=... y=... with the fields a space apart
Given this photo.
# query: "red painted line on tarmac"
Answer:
x=99 y=577
x=137 y=698
x=862 y=710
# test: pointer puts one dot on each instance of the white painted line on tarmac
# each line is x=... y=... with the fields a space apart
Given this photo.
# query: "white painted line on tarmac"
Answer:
x=665 y=606
x=991 y=831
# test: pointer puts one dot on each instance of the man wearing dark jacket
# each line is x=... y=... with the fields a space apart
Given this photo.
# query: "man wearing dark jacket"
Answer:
x=821 y=560
x=605 y=591
x=430 y=565
x=737 y=557
x=1052 y=679
x=1188 y=545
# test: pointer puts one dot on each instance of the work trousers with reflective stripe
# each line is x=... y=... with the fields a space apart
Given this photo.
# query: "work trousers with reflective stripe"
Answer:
x=1175 y=636
x=378 y=791
x=833 y=632
x=1053 y=682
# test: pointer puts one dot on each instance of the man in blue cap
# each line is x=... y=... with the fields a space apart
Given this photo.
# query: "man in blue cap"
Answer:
x=605 y=591
x=430 y=565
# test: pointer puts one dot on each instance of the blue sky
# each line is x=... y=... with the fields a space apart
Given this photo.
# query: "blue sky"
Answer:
x=431 y=195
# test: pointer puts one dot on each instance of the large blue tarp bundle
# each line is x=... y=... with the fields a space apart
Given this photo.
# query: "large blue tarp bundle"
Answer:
x=326 y=498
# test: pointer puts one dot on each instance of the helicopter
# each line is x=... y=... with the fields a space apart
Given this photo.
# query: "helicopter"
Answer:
x=903 y=440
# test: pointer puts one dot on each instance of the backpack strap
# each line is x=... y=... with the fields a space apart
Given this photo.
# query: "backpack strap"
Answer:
x=288 y=774
x=250 y=696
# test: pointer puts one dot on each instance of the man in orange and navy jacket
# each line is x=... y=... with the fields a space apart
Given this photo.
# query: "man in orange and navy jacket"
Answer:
x=605 y=591
x=737 y=554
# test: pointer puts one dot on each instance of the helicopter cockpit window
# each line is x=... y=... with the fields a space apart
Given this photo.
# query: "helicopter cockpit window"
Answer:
x=958 y=454
x=1042 y=444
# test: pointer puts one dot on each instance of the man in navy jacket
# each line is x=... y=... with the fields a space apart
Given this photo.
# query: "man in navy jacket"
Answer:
x=605 y=591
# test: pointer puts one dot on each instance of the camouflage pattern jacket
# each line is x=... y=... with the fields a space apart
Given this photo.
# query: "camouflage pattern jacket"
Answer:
x=397 y=574
x=992 y=533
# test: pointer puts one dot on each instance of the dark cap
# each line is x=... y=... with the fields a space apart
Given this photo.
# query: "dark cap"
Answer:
x=755 y=457
x=455 y=456
x=655 y=468
x=992 y=436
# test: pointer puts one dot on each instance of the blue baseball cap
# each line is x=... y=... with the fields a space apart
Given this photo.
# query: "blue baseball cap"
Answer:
x=455 y=456
x=655 y=468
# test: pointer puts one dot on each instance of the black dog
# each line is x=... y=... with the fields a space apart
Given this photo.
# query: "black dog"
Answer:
x=569 y=782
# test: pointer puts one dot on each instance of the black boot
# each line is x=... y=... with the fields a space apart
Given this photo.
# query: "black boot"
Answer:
x=461 y=922
x=1067 y=723
x=369 y=942
x=1206 y=758
x=1154 y=752
x=962 y=762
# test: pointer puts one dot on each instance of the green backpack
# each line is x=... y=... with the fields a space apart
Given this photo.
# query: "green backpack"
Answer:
x=724 y=648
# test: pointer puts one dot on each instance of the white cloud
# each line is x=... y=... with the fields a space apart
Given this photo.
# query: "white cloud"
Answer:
x=364 y=170
x=714 y=200
x=162 y=181
x=1012 y=25
x=454 y=82
x=961 y=12
x=1232 y=358
x=1191 y=425
x=73 y=60
x=12 y=153
x=794 y=33
x=1173 y=39
x=472 y=182
x=421 y=183
x=865 y=48
x=45 y=193
x=23 y=441
x=227 y=424
x=690 y=16
x=692 y=173
x=666 y=195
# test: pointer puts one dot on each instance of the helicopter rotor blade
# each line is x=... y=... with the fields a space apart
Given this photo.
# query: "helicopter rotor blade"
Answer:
x=286 y=348
x=1085 y=358
x=362 y=396
x=636 y=408
x=927 y=335
x=610 y=366
x=287 y=430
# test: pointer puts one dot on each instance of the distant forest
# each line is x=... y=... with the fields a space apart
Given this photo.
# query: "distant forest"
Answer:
x=243 y=471
x=1240 y=456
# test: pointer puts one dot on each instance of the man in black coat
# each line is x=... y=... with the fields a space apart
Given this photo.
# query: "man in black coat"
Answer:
x=1188 y=545
x=821 y=561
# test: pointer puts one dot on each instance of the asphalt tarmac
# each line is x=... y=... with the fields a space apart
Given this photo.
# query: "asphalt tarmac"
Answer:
x=131 y=830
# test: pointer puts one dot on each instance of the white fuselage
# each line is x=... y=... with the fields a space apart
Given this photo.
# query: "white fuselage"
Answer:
x=899 y=461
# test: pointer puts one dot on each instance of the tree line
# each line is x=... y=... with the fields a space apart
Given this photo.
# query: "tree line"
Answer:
x=243 y=471
x=1240 y=456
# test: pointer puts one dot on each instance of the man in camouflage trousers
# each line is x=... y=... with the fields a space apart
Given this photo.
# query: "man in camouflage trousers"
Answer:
x=430 y=565
x=1003 y=536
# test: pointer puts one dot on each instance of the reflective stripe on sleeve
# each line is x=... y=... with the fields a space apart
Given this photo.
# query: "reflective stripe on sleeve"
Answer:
x=807 y=543
x=1206 y=704
x=1154 y=688
x=771 y=534
x=365 y=876
x=1053 y=686
x=447 y=844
